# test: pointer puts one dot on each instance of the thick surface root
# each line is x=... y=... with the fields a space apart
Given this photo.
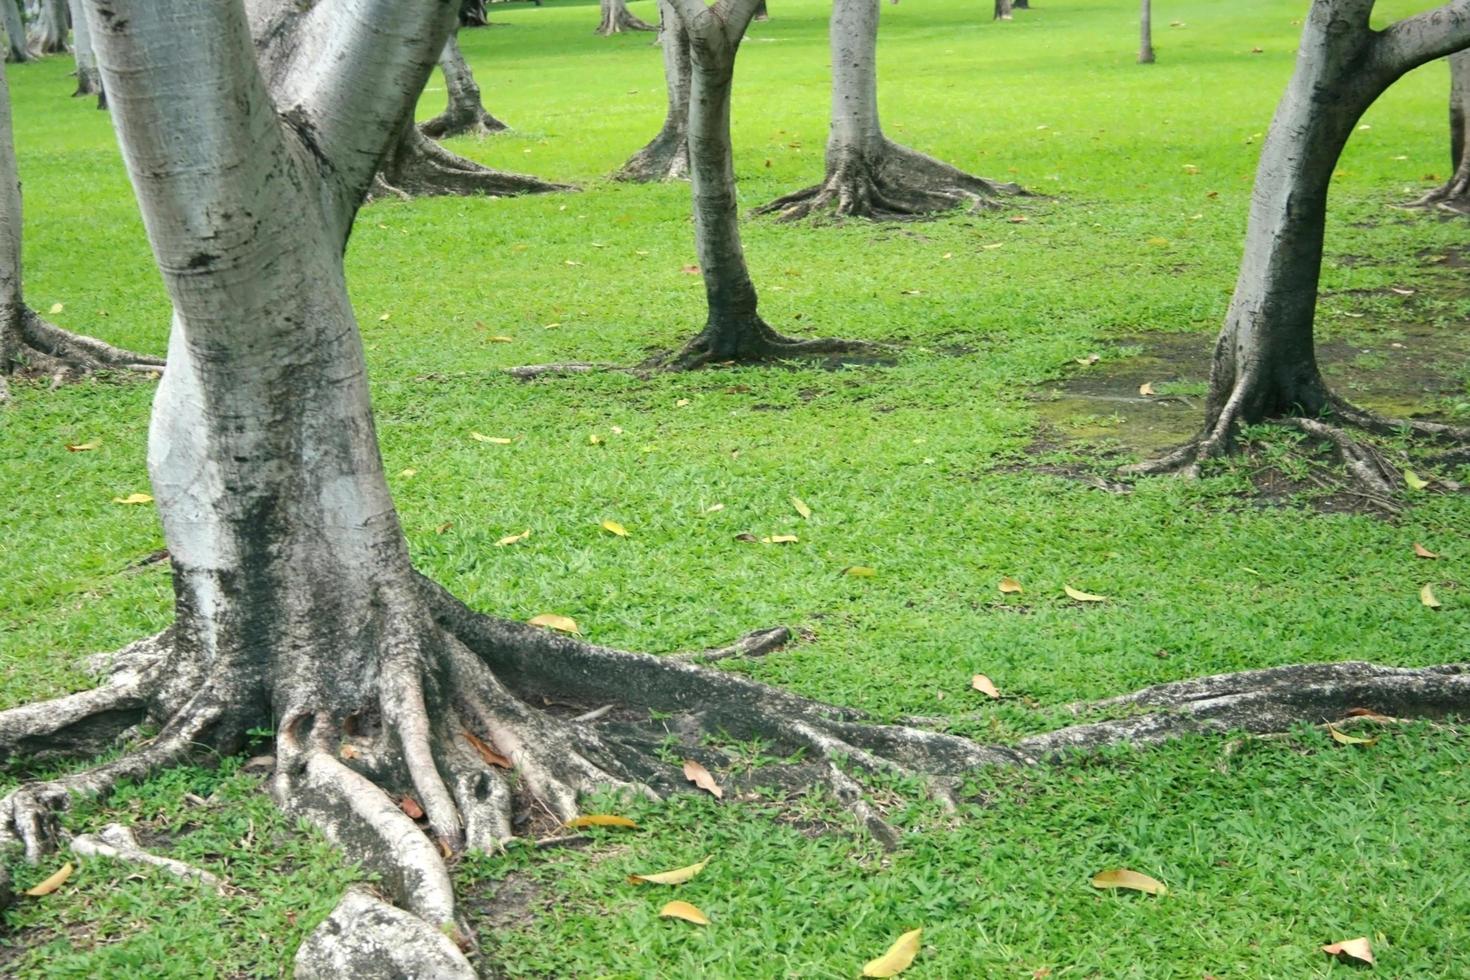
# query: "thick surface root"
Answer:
x=462 y=121
x=117 y=843
x=43 y=349
x=754 y=342
x=419 y=167
x=1452 y=196
x=666 y=157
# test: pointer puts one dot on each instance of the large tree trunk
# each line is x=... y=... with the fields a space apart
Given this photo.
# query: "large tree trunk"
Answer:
x=28 y=343
x=18 y=46
x=416 y=166
x=666 y=157
x=617 y=18
x=465 y=113
x=51 y=27
x=89 y=80
x=1265 y=364
x=1146 y=33
x=868 y=175
x=1454 y=194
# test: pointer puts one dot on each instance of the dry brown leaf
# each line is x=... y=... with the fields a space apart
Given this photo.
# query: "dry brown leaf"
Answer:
x=1371 y=715
x=690 y=270
x=613 y=527
x=487 y=751
x=1343 y=738
x=860 y=571
x=898 y=957
x=84 y=447
x=1018 y=219
x=1351 y=950
x=562 y=624
x=1146 y=389
x=1131 y=880
x=443 y=527
x=52 y=883
x=600 y=820
x=133 y=498
x=513 y=538
x=802 y=508
x=1080 y=596
x=700 y=776
x=780 y=539
x=348 y=752
x=1426 y=596
x=410 y=806
x=685 y=911
x=984 y=685
x=1419 y=549
x=676 y=877
x=1009 y=585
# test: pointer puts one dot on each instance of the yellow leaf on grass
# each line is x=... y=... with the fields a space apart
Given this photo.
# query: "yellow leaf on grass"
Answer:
x=385 y=316
x=513 y=538
x=685 y=911
x=56 y=308
x=780 y=539
x=1131 y=880
x=501 y=339
x=676 y=877
x=700 y=776
x=802 y=508
x=1343 y=738
x=681 y=403
x=1419 y=549
x=1414 y=480
x=1351 y=950
x=860 y=571
x=713 y=508
x=84 y=447
x=494 y=440
x=408 y=472
x=898 y=957
x=613 y=527
x=562 y=624
x=1089 y=359
x=52 y=883
x=984 y=685
x=143 y=498
x=1426 y=596
x=594 y=440
x=600 y=820
x=1008 y=585
x=1080 y=596
x=1146 y=389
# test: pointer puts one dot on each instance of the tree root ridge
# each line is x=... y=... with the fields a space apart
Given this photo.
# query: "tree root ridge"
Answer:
x=420 y=167
x=666 y=157
x=753 y=341
x=462 y=121
x=42 y=349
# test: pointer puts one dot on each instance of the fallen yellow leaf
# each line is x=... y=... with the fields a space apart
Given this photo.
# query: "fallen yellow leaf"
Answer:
x=594 y=440
x=613 y=527
x=1343 y=738
x=685 y=911
x=56 y=308
x=1146 y=389
x=1132 y=880
x=1349 y=950
x=1419 y=549
x=52 y=883
x=1080 y=596
x=712 y=508
x=84 y=447
x=1426 y=596
x=801 y=508
x=562 y=624
x=600 y=820
x=681 y=403
x=1414 y=481
x=501 y=339
x=898 y=957
x=143 y=498
x=780 y=539
x=495 y=440
x=700 y=776
x=1008 y=585
x=984 y=685
x=860 y=571
x=676 y=877
x=513 y=538
x=385 y=316
x=408 y=472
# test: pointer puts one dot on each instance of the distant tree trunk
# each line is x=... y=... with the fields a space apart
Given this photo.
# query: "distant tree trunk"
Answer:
x=617 y=18
x=417 y=166
x=17 y=44
x=465 y=112
x=1021 y=4
x=51 y=27
x=666 y=157
x=1454 y=194
x=89 y=79
x=472 y=13
x=1146 y=34
x=760 y=11
x=1002 y=10
x=868 y=175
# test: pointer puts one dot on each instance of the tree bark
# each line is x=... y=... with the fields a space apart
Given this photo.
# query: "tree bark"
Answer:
x=868 y=175
x=617 y=18
x=1454 y=194
x=416 y=166
x=472 y=13
x=89 y=81
x=18 y=46
x=1146 y=33
x=1265 y=363
x=1002 y=10
x=666 y=157
x=465 y=112
x=51 y=27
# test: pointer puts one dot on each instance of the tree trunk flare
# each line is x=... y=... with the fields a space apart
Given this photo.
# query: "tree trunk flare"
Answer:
x=1002 y=10
x=28 y=343
x=51 y=27
x=666 y=157
x=1265 y=364
x=18 y=46
x=465 y=113
x=617 y=18
x=868 y=175
x=417 y=166
x=89 y=81
x=1146 y=33
x=1454 y=194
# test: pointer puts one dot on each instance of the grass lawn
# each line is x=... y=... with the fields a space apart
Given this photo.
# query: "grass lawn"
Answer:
x=944 y=471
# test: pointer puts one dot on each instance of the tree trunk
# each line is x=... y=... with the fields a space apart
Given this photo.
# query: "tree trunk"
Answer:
x=51 y=27
x=868 y=175
x=465 y=112
x=416 y=166
x=18 y=45
x=472 y=13
x=1146 y=34
x=1454 y=194
x=761 y=13
x=617 y=18
x=89 y=80
x=666 y=157
x=1002 y=10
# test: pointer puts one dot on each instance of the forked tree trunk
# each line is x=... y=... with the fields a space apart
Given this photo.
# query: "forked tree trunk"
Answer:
x=51 y=27
x=1146 y=33
x=18 y=46
x=617 y=18
x=1454 y=194
x=89 y=81
x=416 y=166
x=465 y=113
x=868 y=175
x=666 y=157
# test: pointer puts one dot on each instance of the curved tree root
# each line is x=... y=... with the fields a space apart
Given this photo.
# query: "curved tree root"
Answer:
x=1452 y=196
x=43 y=349
x=462 y=120
x=419 y=167
x=894 y=183
x=755 y=342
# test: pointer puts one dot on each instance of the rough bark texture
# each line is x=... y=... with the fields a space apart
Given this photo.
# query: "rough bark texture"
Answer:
x=465 y=112
x=18 y=46
x=1265 y=364
x=416 y=166
x=28 y=343
x=666 y=157
x=868 y=175
x=89 y=81
x=1454 y=194
x=51 y=27
x=1146 y=33
x=617 y=18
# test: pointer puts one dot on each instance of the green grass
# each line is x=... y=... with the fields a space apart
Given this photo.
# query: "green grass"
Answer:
x=918 y=469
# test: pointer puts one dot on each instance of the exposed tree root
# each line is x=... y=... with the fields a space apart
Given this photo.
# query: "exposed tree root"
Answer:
x=617 y=18
x=462 y=120
x=530 y=372
x=31 y=345
x=419 y=167
x=753 y=341
x=666 y=157
x=890 y=183
x=118 y=843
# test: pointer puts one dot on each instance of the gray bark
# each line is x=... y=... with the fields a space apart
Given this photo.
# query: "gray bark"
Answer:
x=867 y=174
x=89 y=81
x=1454 y=194
x=1002 y=10
x=666 y=157
x=617 y=18
x=1146 y=33
x=18 y=46
x=51 y=27
x=465 y=112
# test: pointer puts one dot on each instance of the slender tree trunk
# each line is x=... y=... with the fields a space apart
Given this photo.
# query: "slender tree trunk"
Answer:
x=51 y=27
x=1146 y=33
x=416 y=166
x=868 y=175
x=617 y=18
x=89 y=80
x=18 y=45
x=1002 y=10
x=472 y=13
x=1454 y=194
x=465 y=112
x=761 y=13
x=666 y=157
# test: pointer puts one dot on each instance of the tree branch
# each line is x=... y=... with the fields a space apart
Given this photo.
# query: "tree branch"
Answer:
x=1417 y=40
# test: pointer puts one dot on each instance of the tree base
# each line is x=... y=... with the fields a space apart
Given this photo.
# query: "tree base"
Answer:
x=892 y=183
x=621 y=20
x=41 y=349
x=464 y=121
x=419 y=167
x=665 y=158
x=1453 y=196
x=752 y=341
